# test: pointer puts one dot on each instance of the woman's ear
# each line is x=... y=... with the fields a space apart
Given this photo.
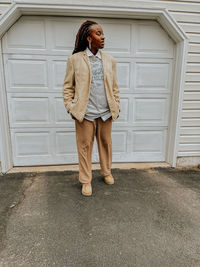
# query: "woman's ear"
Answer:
x=89 y=39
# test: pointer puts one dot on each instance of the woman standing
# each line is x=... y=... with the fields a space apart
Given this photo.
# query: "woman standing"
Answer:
x=91 y=96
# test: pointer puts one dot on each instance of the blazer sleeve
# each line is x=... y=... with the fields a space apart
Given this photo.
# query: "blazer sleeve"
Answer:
x=116 y=91
x=69 y=85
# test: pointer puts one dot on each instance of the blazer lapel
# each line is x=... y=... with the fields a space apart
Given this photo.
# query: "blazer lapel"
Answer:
x=86 y=58
x=103 y=59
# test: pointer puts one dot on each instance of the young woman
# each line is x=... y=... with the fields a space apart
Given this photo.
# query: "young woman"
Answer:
x=91 y=96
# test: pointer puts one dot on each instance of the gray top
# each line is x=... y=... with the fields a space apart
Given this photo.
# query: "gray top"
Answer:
x=97 y=103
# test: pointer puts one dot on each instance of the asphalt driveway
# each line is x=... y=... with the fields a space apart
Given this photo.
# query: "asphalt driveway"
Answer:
x=147 y=218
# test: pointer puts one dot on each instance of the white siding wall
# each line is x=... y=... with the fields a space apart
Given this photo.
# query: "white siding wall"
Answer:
x=187 y=14
x=4 y=4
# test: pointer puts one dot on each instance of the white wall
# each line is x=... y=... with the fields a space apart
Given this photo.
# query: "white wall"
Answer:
x=4 y=4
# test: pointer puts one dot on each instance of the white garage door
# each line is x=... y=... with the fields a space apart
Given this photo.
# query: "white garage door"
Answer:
x=35 y=54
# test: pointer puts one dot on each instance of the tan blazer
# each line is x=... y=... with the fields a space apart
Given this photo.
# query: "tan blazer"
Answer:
x=76 y=87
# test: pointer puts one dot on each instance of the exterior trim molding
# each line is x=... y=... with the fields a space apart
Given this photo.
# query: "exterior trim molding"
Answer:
x=5 y=141
x=133 y=10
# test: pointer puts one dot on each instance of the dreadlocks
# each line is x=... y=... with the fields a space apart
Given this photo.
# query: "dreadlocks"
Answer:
x=81 y=38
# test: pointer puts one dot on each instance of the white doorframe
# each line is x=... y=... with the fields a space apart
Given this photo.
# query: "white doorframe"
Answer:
x=135 y=11
x=5 y=140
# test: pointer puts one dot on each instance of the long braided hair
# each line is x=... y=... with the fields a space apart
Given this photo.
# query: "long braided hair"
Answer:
x=81 y=42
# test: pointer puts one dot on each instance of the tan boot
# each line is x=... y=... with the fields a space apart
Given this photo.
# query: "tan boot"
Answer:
x=87 y=189
x=108 y=179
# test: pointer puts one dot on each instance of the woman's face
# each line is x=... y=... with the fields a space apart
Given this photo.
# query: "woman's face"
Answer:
x=96 y=37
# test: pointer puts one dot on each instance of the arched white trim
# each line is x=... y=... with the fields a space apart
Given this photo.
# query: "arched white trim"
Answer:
x=62 y=8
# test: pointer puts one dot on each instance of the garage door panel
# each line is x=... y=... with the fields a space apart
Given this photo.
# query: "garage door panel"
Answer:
x=61 y=116
x=26 y=74
x=118 y=44
x=124 y=111
x=58 y=73
x=138 y=157
x=21 y=39
x=32 y=143
x=119 y=141
x=42 y=146
x=65 y=143
x=123 y=76
x=62 y=34
x=152 y=41
x=144 y=145
x=29 y=110
x=150 y=110
x=152 y=76
x=38 y=109
x=35 y=73
x=148 y=141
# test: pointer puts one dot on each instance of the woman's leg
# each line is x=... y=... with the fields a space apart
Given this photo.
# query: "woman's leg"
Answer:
x=85 y=132
x=104 y=141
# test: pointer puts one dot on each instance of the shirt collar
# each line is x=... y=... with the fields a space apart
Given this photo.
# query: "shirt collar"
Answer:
x=89 y=53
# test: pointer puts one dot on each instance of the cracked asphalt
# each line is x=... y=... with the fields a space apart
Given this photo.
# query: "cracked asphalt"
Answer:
x=148 y=218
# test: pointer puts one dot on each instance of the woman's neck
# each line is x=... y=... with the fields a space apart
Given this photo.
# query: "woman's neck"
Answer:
x=94 y=50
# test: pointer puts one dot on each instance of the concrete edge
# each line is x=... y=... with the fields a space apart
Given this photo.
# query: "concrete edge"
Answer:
x=95 y=166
